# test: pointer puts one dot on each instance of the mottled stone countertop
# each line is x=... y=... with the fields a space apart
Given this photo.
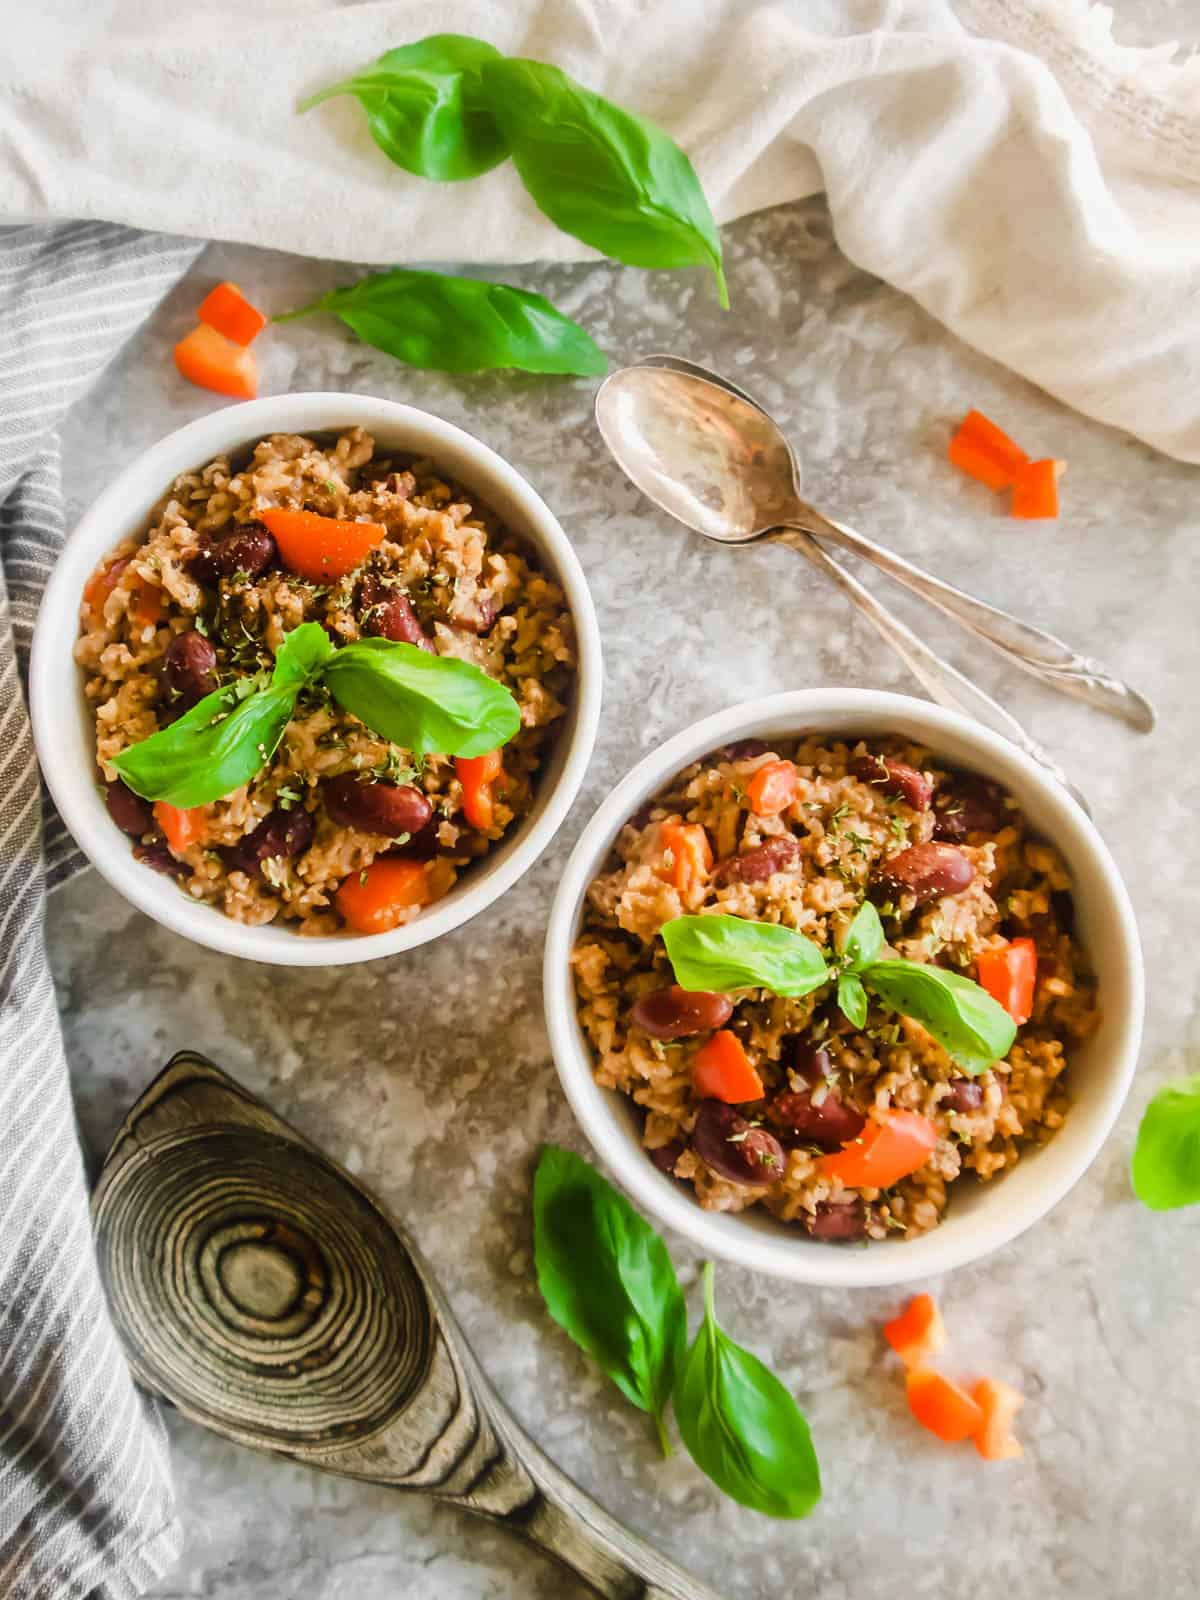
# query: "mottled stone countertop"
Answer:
x=430 y=1075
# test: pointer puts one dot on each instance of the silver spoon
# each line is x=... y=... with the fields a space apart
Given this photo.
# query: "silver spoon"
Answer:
x=1033 y=649
x=710 y=456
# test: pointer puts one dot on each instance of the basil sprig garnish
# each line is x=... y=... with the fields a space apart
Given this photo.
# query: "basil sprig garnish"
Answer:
x=448 y=324
x=741 y=1426
x=228 y=736
x=722 y=953
x=425 y=107
x=600 y=173
x=607 y=1279
x=431 y=705
x=1166 y=1159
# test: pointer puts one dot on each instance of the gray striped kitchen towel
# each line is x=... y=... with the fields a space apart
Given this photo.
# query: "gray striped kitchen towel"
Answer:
x=86 y=1507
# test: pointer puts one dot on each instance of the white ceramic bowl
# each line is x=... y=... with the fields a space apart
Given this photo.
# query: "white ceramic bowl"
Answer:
x=63 y=727
x=982 y=1216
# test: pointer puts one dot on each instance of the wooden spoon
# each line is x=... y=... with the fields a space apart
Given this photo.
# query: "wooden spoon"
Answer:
x=262 y=1291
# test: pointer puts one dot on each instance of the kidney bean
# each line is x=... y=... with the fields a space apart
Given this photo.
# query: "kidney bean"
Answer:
x=895 y=778
x=677 y=1013
x=386 y=612
x=160 y=859
x=129 y=811
x=740 y=750
x=665 y=1157
x=391 y=808
x=249 y=549
x=968 y=804
x=928 y=871
x=807 y=1060
x=830 y=1124
x=757 y=865
x=423 y=845
x=966 y=1094
x=480 y=617
x=190 y=668
x=641 y=817
x=734 y=1148
x=837 y=1220
x=280 y=835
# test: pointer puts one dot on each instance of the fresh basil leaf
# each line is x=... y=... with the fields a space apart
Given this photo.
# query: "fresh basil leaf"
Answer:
x=600 y=173
x=607 y=1279
x=447 y=324
x=741 y=1426
x=722 y=953
x=1166 y=1159
x=864 y=938
x=425 y=107
x=971 y=1027
x=228 y=736
x=852 y=999
x=431 y=705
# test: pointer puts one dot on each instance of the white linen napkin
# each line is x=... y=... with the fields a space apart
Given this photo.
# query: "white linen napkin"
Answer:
x=1031 y=184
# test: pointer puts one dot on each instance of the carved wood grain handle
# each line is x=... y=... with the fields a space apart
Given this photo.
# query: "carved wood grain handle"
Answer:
x=259 y=1288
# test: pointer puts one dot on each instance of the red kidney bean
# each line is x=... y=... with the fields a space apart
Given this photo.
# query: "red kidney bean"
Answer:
x=480 y=617
x=837 y=1220
x=423 y=845
x=734 y=1148
x=966 y=805
x=160 y=859
x=190 y=668
x=129 y=811
x=966 y=1094
x=928 y=871
x=391 y=808
x=830 y=1124
x=249 y=549
x=757 y=865
x=677 y=1013
x=665 y=1157
x=386 y=612
x=280 y=835
x=805 y=1059
x=896 y=778
x=740 y=750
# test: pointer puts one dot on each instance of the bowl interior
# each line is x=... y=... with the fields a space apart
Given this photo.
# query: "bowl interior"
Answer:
x=63 y=719
x=982 y=1216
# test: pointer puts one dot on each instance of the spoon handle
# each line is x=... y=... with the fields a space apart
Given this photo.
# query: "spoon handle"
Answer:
x=1030 y=648
x=942 y=682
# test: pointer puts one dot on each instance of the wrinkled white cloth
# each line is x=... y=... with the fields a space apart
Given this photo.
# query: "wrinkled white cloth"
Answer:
x=1033 y=185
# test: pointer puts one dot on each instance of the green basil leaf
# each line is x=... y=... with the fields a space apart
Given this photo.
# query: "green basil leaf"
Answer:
x=425 y=107
x=447 y=324
x=971 y=1027
x=431 y=705
x=228 y=736
x=1166 y=1159
x=602 y=174
x=864 y=938
x=722 y=953
x=607 y=1279
x=741 y=1426
x=852 y=999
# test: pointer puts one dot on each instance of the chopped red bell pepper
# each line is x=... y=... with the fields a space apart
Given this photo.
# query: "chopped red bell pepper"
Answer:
x=1035 y=490
x=884 y=1152
x=226 y=309
x=772 y=788
x=721 y=1070
x=1009 y=974
x=181 y=828
x=999 y=1402
x=690 y=851
x=320 y=548
x=478 y=776
x=918 y=1334
x=942 y=1406
x=211 y=361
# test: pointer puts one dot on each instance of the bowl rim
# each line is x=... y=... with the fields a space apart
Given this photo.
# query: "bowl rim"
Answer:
x=667 y=1200
x=103 y=525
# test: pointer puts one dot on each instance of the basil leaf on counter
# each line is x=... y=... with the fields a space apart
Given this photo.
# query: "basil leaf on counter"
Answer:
x=447 y=324
x=228 y=736
x=864 y=938
x=431 y=705
x=971 y=1027
x=722 y=953
x=600 y=173
x=1166 y=1159
x=741 y=1426
x=425 y=107
x=852 y=999
x=607 y=1279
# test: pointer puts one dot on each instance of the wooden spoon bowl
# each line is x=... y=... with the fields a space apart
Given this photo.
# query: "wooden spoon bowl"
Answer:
x=262 y=1291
